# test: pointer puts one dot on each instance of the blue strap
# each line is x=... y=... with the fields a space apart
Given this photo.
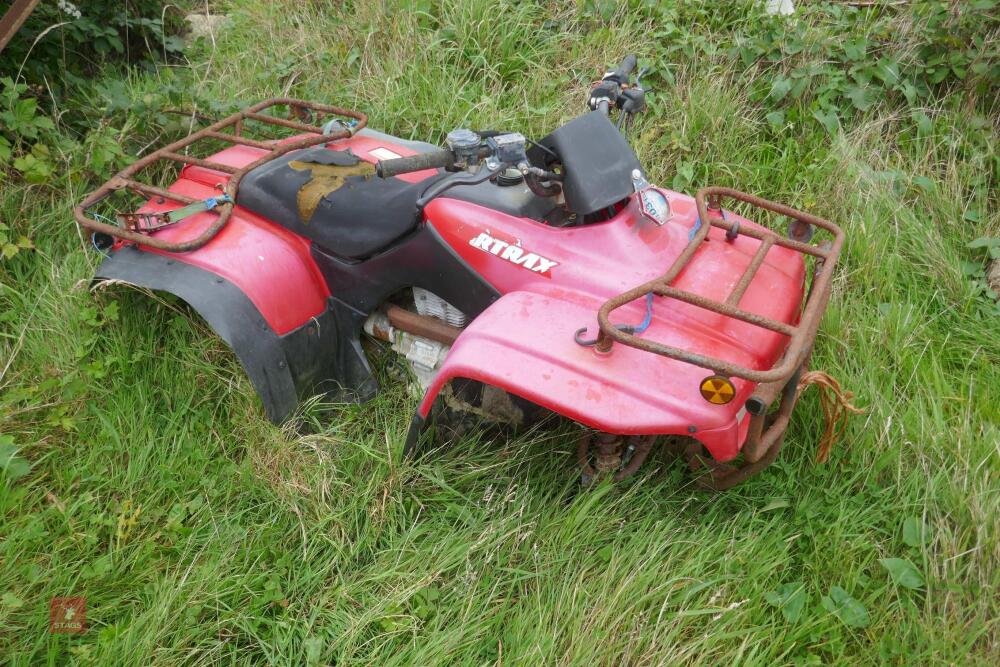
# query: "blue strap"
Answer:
x=334 y=122
x=649 y=315
x=697 y=225
x=694 y=230
x=212 y=202
x=626 y=328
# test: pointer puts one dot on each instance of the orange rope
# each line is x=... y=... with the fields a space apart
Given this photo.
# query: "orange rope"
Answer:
x=836 y=405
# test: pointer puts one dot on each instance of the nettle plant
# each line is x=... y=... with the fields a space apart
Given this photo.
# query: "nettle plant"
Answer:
x=830 y=61
x=23 y=129
x=983 y=273
x=862 y=57
x=34 y=148
x=63 y=43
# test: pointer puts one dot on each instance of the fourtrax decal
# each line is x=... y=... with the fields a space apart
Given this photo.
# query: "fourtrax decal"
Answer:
x=513 y=253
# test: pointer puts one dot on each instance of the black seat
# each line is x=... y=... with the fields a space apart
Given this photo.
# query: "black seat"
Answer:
x=332 y=198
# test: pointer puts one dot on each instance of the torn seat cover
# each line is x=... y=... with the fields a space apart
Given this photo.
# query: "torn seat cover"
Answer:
x=332 y=198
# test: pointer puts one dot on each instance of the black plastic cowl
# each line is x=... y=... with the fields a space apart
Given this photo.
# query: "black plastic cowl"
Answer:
x=597 y=162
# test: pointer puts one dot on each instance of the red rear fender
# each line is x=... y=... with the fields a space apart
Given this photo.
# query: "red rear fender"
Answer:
x=269 y=264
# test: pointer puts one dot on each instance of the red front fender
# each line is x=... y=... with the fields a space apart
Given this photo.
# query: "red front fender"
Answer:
x=524 y=344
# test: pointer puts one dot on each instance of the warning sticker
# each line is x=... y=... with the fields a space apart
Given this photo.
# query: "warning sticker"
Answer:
x=384 y=154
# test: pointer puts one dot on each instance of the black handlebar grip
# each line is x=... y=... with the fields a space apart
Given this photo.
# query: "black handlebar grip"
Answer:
x=404 y=165
x=626 y=68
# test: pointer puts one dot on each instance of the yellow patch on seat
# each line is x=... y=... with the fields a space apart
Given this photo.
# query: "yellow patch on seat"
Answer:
x=326 y=178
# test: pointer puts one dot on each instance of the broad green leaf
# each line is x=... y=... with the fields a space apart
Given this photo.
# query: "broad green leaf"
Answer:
x=924 y=123
x=314 y=649
x=887 y=70
x=913 y=527
x=173 y=43
x=903 y=572
x=779 y=89
x=776 y=118
x=11 y=601
x=99 y=567
x=790 y=598
x=11 y=464
x=860 y=97
x=17 y=468
x=776 y=504
x=684 y=175
x=938 y=74
x=971 y=269
x=924 y=183
x=855 y=49
x=847 y=609
x=828 y=120
x=983 y=241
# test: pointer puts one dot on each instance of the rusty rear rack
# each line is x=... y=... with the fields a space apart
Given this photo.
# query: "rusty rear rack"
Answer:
x=801 y=335
x=228 y=130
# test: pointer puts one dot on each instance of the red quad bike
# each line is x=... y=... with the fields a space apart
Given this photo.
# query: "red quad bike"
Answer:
x=516 y=277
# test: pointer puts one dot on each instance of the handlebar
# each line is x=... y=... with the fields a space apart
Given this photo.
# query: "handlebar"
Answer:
x=624 y=70
x=614 y=90
x=438 y=159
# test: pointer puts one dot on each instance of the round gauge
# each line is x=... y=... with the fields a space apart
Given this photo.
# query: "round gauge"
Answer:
x=654 y=205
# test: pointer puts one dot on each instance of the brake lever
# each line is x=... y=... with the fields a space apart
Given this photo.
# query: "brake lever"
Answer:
x=487 y=171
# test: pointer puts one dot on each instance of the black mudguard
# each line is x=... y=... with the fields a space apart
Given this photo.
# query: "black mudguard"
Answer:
x=323 y=356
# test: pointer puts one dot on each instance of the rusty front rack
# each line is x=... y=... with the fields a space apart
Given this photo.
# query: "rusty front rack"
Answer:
x=126 y=179
x=801 y=336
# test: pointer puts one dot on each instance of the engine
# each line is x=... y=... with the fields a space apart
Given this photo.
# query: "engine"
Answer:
x=431 y=305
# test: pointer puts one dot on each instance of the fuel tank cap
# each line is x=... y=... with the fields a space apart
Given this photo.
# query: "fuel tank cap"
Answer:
x=509 y=176
x=463 y=141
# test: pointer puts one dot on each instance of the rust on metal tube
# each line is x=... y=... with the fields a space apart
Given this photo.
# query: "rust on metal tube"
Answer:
x=153 y=191
x=125 y=178
x=421 y=325
x=751 y=449
x=242 y=141
x=725 y=309
x=198 y=162
x=751 y=271
x=801 y=336
x=14 y=18
x=284 y=122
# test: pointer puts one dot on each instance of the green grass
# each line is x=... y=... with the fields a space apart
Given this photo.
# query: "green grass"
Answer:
x=258 y=544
